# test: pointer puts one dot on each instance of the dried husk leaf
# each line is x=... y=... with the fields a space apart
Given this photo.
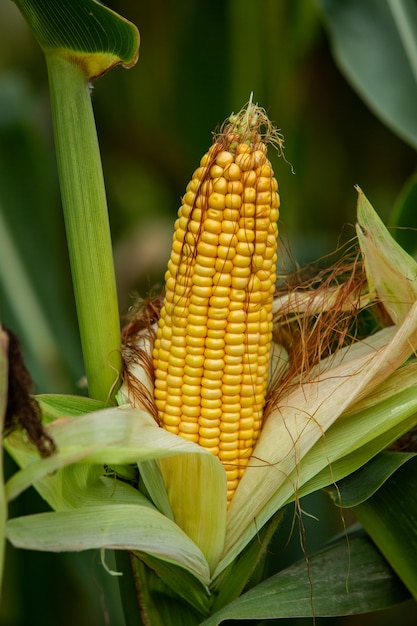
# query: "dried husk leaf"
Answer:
x=304 y=413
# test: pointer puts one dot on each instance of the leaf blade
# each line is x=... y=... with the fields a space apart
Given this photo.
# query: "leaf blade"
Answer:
x=197 y=492
x=120 y=527
x=109 y=436
x=347 y=577
x=372 y=54
x=389 y=515
x=92 y=35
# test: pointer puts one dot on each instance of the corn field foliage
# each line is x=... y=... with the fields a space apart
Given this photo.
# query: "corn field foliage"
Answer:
x=127 y=523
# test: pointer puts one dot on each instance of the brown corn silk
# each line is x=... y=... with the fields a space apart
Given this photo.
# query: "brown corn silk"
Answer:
x=212 y=347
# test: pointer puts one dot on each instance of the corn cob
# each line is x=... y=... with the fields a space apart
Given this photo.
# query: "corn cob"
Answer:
x=212 y=346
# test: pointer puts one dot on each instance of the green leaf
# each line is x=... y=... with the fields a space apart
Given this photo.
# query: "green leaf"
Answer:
x=366 y=481
x=85 y=31
x=404 y=216
x=120 y=527
x=375 y=44
x=389 y=515
x=349 y=576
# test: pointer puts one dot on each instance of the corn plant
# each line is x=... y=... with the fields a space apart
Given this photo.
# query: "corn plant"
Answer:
x=223 y=403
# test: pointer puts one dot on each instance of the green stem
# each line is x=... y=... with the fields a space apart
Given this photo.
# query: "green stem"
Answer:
x=87 y=225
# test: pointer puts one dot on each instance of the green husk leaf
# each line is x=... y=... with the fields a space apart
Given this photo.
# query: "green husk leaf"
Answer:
x=353 y=440
x=348 y=577
x=126 y=436
x=400 y=380
x=290 y=432
x=153 y=482
x=85 y=31
x=391 y=272
x=110 y=436
x=197 y=494
x=83 y=484
x=389 y=515
x=121 y=527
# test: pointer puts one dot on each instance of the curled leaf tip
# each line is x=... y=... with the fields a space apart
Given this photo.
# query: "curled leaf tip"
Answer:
x=85 y=32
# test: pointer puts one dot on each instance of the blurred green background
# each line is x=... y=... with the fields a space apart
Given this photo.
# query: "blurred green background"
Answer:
x=198 y=62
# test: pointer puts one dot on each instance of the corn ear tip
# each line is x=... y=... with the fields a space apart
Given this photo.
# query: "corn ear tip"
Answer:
x=250 y=121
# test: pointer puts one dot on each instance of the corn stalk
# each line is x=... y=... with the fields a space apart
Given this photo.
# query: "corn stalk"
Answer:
x=76 y=52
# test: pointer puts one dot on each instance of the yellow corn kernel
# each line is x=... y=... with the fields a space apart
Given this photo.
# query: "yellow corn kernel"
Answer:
x=214 y=334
